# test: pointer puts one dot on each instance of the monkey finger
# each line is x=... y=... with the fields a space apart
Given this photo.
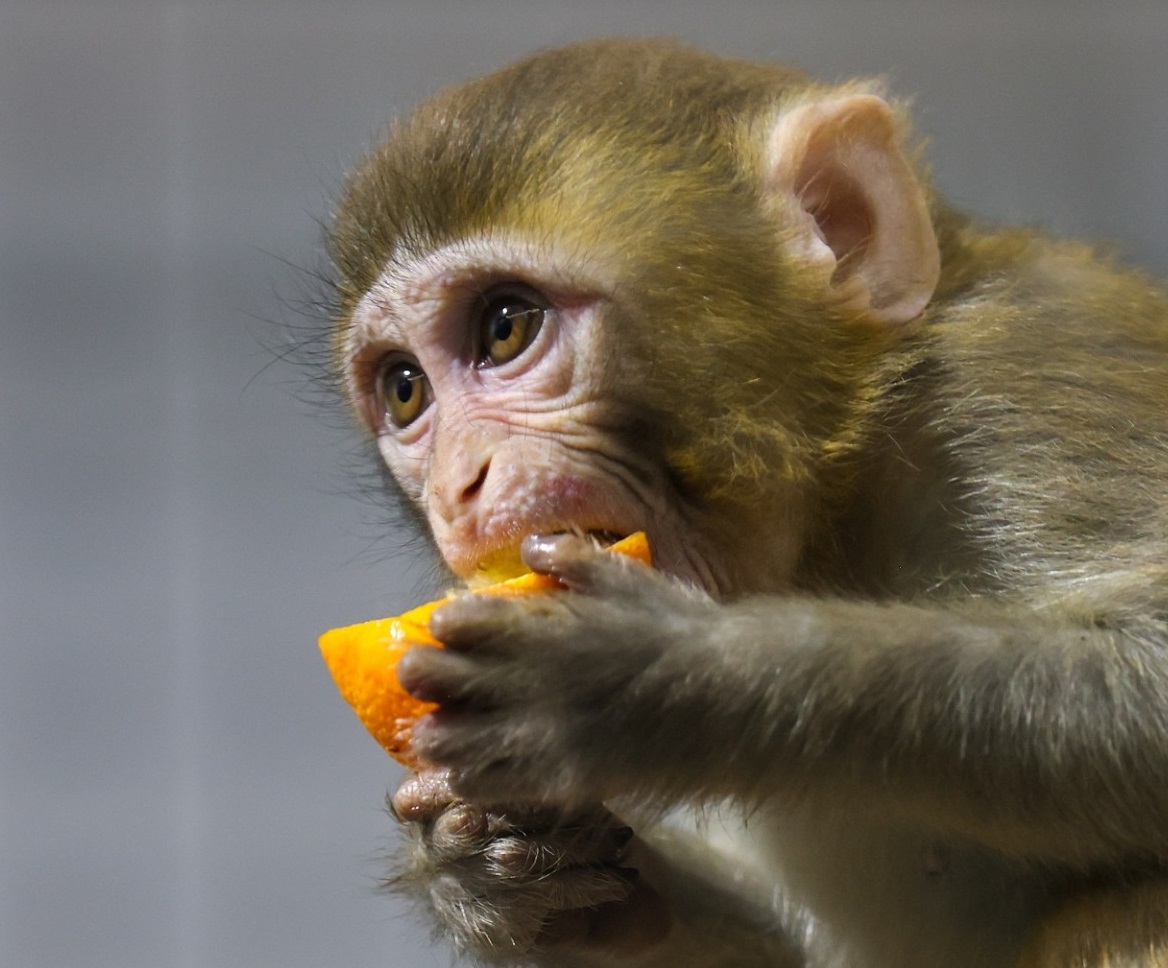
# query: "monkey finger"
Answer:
x=445 y=736
x=579 y=563
x=437 y=675
x=572 y=888
x=422 y=796
x=461 y=829
x=538 y=817
x=526 y=838
x=487 y=624
x=515 y=848
x=526 y=853
x=471 y=742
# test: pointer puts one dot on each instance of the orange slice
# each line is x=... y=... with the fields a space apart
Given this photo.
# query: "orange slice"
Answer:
x=363 y=658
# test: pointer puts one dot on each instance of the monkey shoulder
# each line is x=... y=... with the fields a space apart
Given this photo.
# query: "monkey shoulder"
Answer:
x=1053 y=409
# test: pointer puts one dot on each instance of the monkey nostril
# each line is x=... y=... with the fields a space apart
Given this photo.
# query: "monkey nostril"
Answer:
x=476 y=485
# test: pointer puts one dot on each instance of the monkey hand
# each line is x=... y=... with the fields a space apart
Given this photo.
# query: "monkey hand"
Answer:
x=511 y=883
x=568 y=697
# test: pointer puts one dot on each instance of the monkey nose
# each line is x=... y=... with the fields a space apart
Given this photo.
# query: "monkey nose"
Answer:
x=458 y=487
x=463 y=471
x=472 y=489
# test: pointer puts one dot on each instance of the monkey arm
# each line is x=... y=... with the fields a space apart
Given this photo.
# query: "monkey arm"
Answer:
x=1043 y=735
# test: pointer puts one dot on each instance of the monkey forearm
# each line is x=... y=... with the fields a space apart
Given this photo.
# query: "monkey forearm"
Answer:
x=1041 y=735
x=1030 y=734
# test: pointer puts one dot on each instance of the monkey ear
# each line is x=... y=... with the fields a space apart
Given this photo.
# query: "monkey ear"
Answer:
x=862 y=217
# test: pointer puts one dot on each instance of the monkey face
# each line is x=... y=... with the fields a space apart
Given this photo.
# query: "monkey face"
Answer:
x=667 y=325
x=487 y=376
x=505 y=386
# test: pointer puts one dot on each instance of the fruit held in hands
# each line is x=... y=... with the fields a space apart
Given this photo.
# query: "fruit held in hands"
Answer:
x=363 y=658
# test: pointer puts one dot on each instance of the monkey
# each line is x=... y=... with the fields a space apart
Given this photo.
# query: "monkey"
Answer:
x=895 y=692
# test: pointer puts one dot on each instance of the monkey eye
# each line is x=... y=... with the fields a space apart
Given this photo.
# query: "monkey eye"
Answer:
x=508 y=324
x=404 y=391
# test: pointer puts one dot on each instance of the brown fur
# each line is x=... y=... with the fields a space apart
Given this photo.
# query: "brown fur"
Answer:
x=975 y=504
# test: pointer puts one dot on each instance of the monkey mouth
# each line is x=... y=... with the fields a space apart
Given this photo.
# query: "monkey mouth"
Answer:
x=506 y=562
x=606 y=538
x=498 y=565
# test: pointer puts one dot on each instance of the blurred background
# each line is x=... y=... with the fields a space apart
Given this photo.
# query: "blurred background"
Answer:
x=180 y=785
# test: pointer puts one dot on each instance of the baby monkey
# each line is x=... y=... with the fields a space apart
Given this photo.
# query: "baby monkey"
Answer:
x=896 y=693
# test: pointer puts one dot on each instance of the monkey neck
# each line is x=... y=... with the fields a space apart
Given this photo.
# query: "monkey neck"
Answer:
x=973 y=253
x=899 y=523
x=898 y=528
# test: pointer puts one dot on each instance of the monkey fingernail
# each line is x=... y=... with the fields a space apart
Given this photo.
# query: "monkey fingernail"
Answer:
x=540 y=551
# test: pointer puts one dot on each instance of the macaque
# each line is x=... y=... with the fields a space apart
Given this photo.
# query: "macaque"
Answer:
x=895 y=694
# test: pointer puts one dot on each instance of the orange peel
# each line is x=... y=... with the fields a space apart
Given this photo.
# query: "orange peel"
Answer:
x=363 y=658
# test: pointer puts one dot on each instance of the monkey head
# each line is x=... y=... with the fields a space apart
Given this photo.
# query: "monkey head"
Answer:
x=646 y=302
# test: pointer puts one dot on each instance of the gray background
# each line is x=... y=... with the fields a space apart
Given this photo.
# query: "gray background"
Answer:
x=179 y=783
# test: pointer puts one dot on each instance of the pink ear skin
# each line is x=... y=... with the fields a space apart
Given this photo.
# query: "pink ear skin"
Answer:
x=863 y=217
